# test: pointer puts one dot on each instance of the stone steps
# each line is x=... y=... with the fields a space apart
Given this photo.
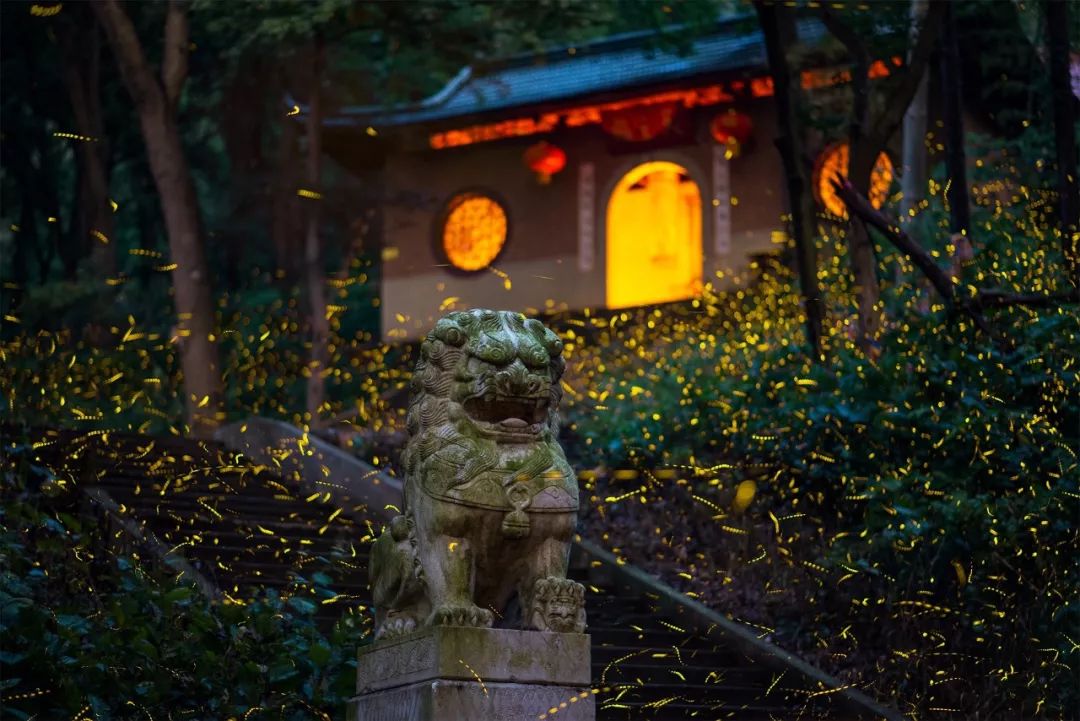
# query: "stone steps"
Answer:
x=641 y=667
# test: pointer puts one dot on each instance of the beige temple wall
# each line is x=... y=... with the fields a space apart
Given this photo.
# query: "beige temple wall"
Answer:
x=540 y=267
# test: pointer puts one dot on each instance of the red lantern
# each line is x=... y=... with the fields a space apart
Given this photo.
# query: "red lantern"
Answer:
x=732 y=129
x=545 y=160
x=640 y=123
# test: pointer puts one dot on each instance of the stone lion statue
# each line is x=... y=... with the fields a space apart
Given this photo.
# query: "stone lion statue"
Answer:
x=490 y=500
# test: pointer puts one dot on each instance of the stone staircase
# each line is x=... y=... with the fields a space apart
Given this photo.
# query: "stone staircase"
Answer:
x=647 y=665
x=243 y=527
x=239 y=526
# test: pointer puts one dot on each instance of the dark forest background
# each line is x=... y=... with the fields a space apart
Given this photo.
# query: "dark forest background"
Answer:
x=875 y=439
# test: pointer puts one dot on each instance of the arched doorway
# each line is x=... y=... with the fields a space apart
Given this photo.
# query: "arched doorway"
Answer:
x=653 y=236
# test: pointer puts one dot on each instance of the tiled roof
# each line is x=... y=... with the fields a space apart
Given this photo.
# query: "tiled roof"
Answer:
x=606 y=66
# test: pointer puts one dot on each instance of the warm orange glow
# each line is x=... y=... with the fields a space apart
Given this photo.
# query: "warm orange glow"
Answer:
x=474 y=231
x=760 y=87
x=815 y=79
x=638 y=125
x=826 y=78
x=653 y=237
x=833 y=163
x=495 y=131
x=732 y=130
x=576 y=117
x=545 y=160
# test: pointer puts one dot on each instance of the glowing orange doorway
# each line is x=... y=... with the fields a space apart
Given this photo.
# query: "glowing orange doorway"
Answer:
x=653 y=237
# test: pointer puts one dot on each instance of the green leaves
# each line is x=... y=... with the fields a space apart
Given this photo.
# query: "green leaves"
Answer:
x=178 y=594
x=941 y=470
x=150 y=647
x=301 y=605
x=319 y=654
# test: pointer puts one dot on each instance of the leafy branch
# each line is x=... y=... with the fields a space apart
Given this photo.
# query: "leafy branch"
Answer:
x=859 y=206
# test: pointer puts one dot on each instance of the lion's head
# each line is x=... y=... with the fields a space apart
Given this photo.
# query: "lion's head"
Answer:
x=489 y=374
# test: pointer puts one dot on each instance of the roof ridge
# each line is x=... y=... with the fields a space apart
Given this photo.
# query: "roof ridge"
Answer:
x=573 y=71
x=481 y=70
x=619 y=41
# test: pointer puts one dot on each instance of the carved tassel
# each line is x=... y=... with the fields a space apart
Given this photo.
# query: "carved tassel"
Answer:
x=516 y=523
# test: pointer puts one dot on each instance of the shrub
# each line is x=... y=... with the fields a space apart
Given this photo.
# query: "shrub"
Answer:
x=89 y=634
x=935 y=479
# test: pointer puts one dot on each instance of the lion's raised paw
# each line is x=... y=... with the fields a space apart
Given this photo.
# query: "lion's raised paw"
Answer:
x=473 y=616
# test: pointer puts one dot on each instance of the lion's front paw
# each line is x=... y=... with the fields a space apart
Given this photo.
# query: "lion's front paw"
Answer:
x=558 y=605
x=449 y=615
x=396 y=625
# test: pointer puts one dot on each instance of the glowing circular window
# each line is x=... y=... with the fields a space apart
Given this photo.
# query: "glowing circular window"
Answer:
x=474 y=231
x=833 y=163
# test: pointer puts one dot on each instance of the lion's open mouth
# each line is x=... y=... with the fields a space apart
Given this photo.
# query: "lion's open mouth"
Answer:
x=509 y=414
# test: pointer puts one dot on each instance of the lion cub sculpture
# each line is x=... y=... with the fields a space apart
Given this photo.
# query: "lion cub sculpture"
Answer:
x=490 y=500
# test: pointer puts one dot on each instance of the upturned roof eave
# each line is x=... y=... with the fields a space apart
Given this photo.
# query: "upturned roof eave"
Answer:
x=562 y=102
x=613 y=43
x=432 y=110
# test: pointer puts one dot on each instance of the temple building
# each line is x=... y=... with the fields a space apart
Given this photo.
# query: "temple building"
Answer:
x=606 y=175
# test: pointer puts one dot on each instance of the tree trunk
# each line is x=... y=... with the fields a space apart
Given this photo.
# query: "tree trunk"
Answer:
x=250 y=86
x=27 y=234
x=1057 y=23
x=313 y=261
x=868 y=137
x=49 y=201
x=16 y=159
x=778 y=30
x=863 y=149
x=861 y=159
x=913 y=163
x=73 y=240
x=955 y=159
x=283 y=229
x=81 y=50
x=155 y=101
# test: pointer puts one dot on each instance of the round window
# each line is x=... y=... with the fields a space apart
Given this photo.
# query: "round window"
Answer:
x=833 y=163
x=474 y=231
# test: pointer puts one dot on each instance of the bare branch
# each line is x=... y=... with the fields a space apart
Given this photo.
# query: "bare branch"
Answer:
x=1001 y=299
x=174 y=64
x=861 y=208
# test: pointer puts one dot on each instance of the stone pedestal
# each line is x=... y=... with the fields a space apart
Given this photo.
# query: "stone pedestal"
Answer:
x=449 y=673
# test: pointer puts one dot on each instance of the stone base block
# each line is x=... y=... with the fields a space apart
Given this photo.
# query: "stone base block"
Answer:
x=450 y=700
x=447 y=673
x=469 y=654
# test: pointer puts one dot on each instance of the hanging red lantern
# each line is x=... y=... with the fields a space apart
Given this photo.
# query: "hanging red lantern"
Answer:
x=732 y=129
x=640 y=123
x=545 y=160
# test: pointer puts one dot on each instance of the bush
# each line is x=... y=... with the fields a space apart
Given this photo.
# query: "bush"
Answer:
x=932 y=483
x=88 y=634
x=70 y=361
